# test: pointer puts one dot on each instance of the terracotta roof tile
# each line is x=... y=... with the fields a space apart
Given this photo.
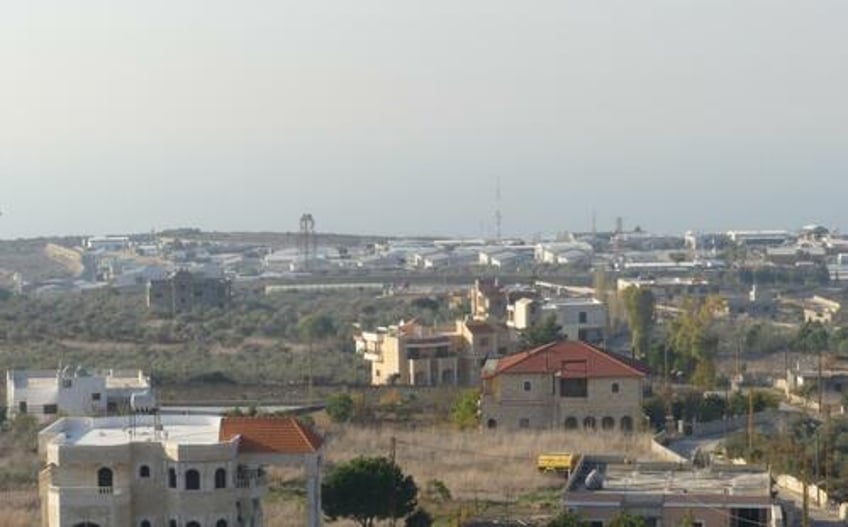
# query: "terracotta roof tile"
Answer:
x=270 y=435
x=552 y=357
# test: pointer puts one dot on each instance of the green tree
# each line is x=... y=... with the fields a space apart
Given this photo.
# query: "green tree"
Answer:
x=340 y=407
x=542 y=333
x=566 y=519
x=367 y=489
x=640 y=305
x=317 y=327
x=624 y=519
x=419 y=518
x=464 y=413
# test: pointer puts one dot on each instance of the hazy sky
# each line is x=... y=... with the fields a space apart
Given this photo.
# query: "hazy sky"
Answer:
x=399 y=116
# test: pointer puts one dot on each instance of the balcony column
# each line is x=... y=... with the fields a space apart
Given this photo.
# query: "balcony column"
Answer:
x=313 y=490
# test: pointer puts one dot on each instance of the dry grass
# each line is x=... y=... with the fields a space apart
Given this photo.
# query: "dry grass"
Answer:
x=19 y=508
x=478 y=464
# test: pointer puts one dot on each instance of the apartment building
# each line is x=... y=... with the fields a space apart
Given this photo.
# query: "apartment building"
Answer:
x=417 y=355
x=567 y=385
x=488 y=299
x=580 y=318
x=184 y=291
x=666 y=494
x=670 y=290
x=46 y=394
x=169 y=471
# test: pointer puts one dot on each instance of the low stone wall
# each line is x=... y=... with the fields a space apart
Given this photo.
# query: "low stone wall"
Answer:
x=817 y=496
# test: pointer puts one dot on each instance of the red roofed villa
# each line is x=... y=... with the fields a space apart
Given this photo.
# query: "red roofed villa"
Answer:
x=567 y=385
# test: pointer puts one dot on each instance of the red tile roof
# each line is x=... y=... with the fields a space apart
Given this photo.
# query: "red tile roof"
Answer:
x=270 y=435
x=565 y=357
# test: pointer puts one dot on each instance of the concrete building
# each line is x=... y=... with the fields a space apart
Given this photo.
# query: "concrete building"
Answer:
x=763 y=238
x=564 y=253
x=666 y=494
x=820 y=309
x=417 y=355
x=184 y=291
x=580 y=318
x=46 y=394
x=488 y=299
x=563 y=385
x=169 y=471
x=670 y=290
x=108 y=243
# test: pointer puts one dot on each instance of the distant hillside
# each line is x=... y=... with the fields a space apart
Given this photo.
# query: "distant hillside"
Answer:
x=30 y=258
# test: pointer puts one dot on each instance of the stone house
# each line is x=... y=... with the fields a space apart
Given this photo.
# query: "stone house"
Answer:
x=567 y=385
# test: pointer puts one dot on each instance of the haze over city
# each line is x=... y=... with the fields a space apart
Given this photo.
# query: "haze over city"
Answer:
x=389 y=118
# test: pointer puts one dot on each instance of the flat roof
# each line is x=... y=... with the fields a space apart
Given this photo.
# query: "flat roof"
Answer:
x=113 y=431
x=643 y=479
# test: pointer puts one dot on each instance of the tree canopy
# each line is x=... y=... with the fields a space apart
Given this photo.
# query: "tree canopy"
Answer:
x=640 y=305
x=367 y=489
x=541 y=333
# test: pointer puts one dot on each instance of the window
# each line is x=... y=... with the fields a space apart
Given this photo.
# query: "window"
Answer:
x=223 y=523
x=50 y=409
x=596 y=523
x=172 y=478
x=144 y=471
x=192 y=524
x=574 y=387
x=104 y=477
x=607 y=423
x=192 y=480
x=144 y=523
x=220 y=478
x=22 y=407
x=571 y=423
x=524 y=423
x=528 y=386
x=491 y=424
x=583 y=317
x=172 y=523
x=589 y=423
x=95 y=397
x=615 y=387
x=67 y=383
x=627 y=423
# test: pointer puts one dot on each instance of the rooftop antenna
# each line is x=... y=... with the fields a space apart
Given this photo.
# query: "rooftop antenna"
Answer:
x=498 y=216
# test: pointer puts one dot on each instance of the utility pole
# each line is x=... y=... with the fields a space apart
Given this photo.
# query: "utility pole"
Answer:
x=750 y=420
x=805 y=519
x=393 y=489
x=819 y=388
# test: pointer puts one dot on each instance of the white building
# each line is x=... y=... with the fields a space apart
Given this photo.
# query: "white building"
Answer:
x=580 y=318
x=72 y=392
x=563 y=253
x=108 y=243
x=169 y=471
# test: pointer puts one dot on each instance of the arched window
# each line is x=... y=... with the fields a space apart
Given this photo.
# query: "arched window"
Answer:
x=626 y=424
x=608 y=423
x=192 y=480
x=192 y=524
x=221 y=523
x=86 y=524
x=172 y=523
x=104 y=477
x=528 y=386
x=172 y=478
x=144 y=523
x=571 y=423
x=491 y=423
x=589 y=423
x=220 y=478
x=615 y=387
x=144 y=471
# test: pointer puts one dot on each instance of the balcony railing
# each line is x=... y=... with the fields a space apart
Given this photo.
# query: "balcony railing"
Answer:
x=90 y=495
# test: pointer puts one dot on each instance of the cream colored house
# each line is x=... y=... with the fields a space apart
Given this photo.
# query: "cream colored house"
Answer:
x=580 y=318
x=416 y=355
x=567 y=385
x=170 y=471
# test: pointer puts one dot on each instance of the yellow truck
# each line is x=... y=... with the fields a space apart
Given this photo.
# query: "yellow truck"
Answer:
x=560 y=463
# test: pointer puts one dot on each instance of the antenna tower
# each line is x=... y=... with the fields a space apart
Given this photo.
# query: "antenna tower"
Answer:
x=307 y=241
x=498 y=216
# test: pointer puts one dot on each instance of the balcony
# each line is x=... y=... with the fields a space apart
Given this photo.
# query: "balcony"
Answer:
x=91 y=496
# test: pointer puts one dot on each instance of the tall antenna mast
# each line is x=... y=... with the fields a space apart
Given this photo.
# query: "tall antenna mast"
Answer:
x=498 y=217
